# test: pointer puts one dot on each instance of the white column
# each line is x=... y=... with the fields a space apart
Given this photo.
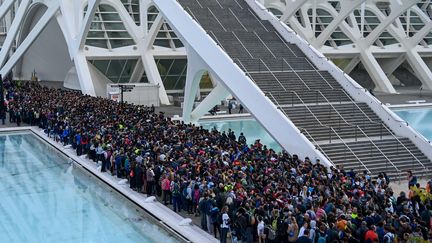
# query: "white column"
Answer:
x=13 y=30
x=85 y=26
x=154 y=77
x=420 y=68
x=351 y=65
x=4 y=8
x=380 y=79
x=216 y=95
x=195 y=71
x=148 y=60
x=391 y=64
x=84 y=76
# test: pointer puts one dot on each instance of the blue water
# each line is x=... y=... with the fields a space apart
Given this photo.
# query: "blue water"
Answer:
x=251 y=129
x=419 y=118
x=43 y=198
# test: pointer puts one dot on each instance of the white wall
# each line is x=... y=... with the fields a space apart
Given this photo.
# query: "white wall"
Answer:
x=48 y=55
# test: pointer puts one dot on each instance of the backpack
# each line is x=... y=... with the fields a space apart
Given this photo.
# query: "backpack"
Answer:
x=176 y=190
x=321 y=238
x=251 y=219
x=388 y=238
x=274 y=224
x=271 y=234
x=281 y=227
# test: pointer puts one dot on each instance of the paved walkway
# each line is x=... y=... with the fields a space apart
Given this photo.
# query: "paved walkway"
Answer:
x=404 y=96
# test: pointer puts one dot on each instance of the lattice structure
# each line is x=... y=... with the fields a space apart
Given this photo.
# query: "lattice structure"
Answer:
x=379 y=35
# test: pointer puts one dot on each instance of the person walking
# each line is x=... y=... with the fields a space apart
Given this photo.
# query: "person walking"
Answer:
x=241 y=109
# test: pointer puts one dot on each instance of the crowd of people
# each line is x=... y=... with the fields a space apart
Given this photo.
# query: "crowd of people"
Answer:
x=240 y=192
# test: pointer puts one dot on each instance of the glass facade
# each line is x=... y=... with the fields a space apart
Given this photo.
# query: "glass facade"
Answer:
x=107 y=29
x=323 y=19
x=166 y=36
x=118 y=71
x=132 y=6
x=173 y=73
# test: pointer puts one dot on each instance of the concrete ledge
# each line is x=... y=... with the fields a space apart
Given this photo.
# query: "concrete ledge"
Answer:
x=160 y=212
x=416 y=105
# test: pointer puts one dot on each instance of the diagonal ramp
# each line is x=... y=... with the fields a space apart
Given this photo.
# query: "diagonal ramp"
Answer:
x=236 y=82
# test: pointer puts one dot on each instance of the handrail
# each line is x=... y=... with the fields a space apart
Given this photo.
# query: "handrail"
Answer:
x=316 y=144
x=307 y=107
x=316 y=70
x=382 y=153
x=277 y=104
x=298 y=76
x=346 y=145
x=265 y=65
x=223 y=27
x=241 y=43
x=217 y=40
x=262 y=42
x=340 y=115
x=387 y=129
x=238 y=20
x=285 y=43
x=244 y=68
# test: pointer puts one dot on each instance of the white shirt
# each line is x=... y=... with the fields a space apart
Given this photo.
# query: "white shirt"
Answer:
x=260 y=228
x=225 y=219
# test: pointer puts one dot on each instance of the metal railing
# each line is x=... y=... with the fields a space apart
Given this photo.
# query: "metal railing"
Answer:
x=241 y=43
x=382 y=153
x=317 y=146
x=318 y=71
x=348 y=147
x=388 y=130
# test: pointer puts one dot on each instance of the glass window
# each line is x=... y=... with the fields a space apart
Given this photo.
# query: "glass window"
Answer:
x=118 y=71
x=107 y=29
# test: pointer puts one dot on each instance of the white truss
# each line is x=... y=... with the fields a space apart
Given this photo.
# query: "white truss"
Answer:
x=75 y=19
x=364 y=40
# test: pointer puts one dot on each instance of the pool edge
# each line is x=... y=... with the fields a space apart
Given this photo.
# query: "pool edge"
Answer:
x=167 y=218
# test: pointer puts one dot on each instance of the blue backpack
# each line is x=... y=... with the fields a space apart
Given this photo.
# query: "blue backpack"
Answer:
x=322 y=238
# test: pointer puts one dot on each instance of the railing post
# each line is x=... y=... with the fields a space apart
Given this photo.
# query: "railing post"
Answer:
x=330 y=135
x=355 y=134
x=381 y=128
x=316 y=97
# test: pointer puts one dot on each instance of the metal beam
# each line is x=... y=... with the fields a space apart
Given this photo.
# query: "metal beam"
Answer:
x=13 y=30
x=88 y=19
x=31 y=37
x=346 y=9
x=4 y=8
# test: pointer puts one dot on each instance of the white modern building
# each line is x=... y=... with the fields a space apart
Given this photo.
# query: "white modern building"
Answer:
x=87 y=44
x=390 y=39
x=381 y=43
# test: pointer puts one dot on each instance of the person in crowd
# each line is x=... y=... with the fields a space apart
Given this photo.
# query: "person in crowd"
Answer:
x=224 y=227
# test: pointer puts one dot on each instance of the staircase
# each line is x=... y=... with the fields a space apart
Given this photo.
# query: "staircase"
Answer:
x=347 y=132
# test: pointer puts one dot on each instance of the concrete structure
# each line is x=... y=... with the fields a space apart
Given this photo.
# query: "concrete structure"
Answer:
x=88 y=44
x=390 y=39
x=128 y=41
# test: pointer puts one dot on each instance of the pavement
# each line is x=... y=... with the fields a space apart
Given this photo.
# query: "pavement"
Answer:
x=405 y=96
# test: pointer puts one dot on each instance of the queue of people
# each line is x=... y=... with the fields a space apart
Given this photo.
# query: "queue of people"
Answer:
x=240 y=192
